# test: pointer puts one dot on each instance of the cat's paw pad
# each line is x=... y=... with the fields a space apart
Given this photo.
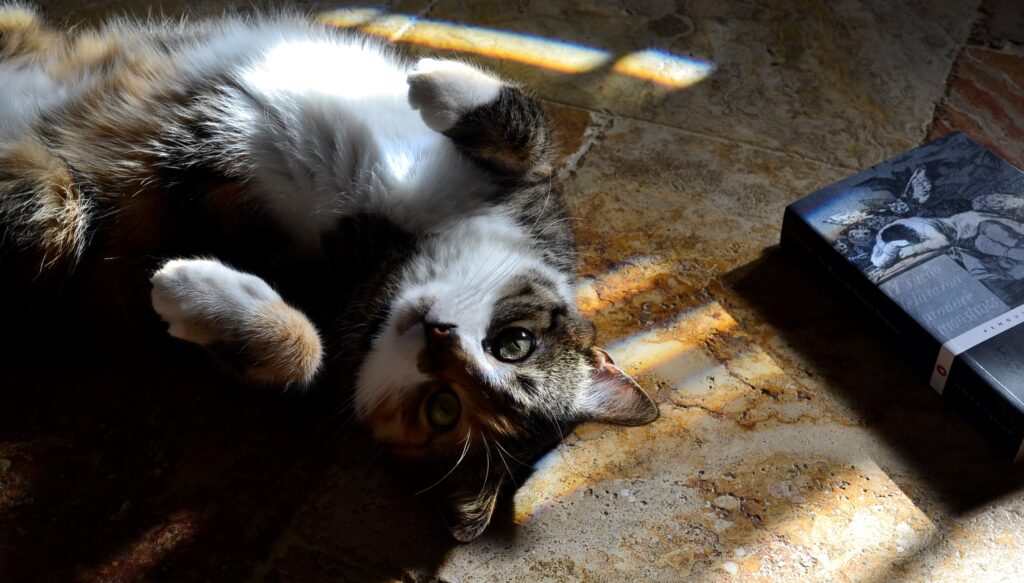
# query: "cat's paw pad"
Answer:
x=443 y=91
x=202 y=299
x=239 y=318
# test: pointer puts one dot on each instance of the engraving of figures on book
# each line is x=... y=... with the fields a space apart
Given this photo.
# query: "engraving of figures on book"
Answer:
x=989 y=246
x=940 y=229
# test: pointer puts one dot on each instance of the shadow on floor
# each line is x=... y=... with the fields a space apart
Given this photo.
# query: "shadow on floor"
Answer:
x=842 y=340
x=157 y=468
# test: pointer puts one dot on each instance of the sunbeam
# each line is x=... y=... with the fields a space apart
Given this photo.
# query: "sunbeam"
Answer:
x=655 y=66
x=646 y=351
x=624 y=281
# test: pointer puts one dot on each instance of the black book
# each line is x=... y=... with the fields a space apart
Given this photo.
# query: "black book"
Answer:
x=932 y=241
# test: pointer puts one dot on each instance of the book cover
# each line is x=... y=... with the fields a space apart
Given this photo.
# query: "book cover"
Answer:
x=933 y=242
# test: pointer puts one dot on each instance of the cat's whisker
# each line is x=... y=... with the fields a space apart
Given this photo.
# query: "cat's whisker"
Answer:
x=482 y=280
x=473 y=291
x=540 y=214
x=500 y=279
x=561 y=442
x=480 y=269
x=497 y=274
x=505 y=463
x=487 y=468
x=494 y=277
x=509 y=454
x=465 y=450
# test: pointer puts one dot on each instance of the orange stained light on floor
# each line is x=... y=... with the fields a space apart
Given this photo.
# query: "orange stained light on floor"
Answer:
x=628 y=279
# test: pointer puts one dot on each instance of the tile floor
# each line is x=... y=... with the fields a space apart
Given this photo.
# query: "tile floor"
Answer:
x=793 y=444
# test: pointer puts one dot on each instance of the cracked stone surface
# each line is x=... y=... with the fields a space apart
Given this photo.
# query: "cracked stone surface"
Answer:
x=800 y=77
x=794 y=445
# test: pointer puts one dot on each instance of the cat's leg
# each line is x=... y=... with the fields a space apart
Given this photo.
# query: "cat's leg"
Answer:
x=492 y=121
x=239 y=319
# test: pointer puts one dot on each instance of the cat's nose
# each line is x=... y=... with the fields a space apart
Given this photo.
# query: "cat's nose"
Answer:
x=438 y=332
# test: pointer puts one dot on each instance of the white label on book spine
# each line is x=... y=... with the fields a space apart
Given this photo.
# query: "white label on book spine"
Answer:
x=969 y=340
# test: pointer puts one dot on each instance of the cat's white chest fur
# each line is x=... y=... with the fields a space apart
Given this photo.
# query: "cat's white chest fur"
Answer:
x=332 y=132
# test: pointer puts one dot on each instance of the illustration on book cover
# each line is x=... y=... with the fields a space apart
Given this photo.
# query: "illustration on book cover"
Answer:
x=940 y=229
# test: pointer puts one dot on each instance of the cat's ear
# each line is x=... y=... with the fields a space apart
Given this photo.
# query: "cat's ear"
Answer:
x=468 y=508
x=612 y=396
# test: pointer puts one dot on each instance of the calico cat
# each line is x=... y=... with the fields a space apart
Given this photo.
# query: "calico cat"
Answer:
x=309 y=206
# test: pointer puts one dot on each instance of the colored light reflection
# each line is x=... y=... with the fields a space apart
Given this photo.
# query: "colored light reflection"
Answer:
x=646 y=351
x=625 y=281
x=650 y=65
x=664 y=68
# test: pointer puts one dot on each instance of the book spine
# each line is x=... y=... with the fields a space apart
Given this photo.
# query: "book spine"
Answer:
x=967 y=391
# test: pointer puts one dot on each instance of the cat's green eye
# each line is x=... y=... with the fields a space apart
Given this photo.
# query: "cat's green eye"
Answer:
x=513 y=345
x=443 y=410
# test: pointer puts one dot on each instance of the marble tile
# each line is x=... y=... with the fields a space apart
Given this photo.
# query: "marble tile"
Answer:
x=697 y=497
x=985 y=99
x=826 y=81
x=704 y=207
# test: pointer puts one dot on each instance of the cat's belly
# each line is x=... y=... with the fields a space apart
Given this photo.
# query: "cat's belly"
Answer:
x=24 y=93
x=328 y=129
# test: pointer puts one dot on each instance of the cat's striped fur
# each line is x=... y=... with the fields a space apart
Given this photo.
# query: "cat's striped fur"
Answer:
x=278 y=191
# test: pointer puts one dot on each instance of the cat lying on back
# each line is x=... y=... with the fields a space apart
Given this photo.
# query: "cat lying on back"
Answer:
x=296 y=199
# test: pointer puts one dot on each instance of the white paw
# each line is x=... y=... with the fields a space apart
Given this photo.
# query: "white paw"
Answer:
x=201 y=299
x=443 y=91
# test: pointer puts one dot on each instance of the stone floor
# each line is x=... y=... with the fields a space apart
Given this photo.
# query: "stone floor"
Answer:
x=794 y=445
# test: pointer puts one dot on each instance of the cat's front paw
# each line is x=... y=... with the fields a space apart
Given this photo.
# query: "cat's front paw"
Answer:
x=238 y=318
x=444 y=91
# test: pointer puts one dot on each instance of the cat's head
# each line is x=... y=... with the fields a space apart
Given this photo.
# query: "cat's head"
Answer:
x=473 y=374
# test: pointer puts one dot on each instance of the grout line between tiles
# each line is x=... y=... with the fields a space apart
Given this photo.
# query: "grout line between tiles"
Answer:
x=715 y=138
x=595 y=131
x=421 y=13
x=426 y=10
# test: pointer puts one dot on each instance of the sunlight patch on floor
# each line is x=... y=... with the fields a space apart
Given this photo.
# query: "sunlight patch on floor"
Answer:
x=655 y=66
x=646 y=351
x=572 y=467
x=620 y=283
x=664 y=68
x=844 y=531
